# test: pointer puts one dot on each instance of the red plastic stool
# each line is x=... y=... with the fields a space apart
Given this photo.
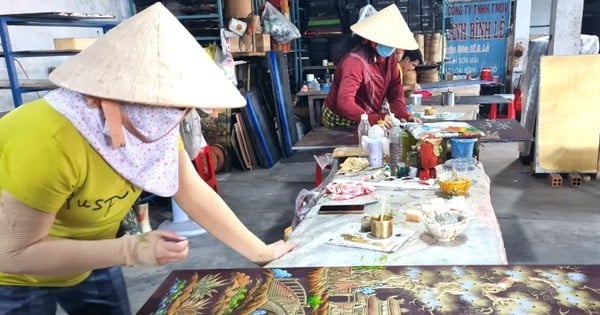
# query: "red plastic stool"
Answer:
x=206 y=168
x=493 y=111
x=518 y=100
x=511 y=111
x=510 y=114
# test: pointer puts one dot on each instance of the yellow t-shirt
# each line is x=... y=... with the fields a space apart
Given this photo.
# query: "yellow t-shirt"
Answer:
x=48 y=165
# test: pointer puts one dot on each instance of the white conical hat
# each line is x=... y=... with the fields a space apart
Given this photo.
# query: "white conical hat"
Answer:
x=149 y=59
x=386 y=27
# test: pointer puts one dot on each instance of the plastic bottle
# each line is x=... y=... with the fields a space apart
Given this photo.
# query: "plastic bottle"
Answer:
x=395 y=148
x=385 y=111
x=385 y=141
x=363 y=128
x=381 y=124
x=408 y=142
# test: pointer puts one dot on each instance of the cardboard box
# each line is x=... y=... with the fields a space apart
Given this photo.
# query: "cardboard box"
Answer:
x=255 y=25
x=262 y=42
x=234 y=44
x=238 y=8
x=404 y=10
x=73 y=43
x=247 y=44
x=427 y=23
x=426 y=5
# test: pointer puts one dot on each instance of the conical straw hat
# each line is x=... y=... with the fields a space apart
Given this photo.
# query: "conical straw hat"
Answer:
x=386 y=27
x=149 y=59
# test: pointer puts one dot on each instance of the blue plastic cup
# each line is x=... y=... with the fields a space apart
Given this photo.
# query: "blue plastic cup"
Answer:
x=462 y=147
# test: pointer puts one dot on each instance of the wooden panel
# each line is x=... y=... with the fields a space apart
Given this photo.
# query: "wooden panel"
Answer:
x=341 y=152
x=568 y=117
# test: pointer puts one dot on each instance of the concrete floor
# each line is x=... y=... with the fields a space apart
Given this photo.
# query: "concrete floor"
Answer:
x=540 y=224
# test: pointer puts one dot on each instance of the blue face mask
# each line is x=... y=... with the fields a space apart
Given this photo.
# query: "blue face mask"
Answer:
x=384 y=51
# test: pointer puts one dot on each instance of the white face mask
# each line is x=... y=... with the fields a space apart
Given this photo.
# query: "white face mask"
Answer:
x=150 y=159
x=152 y=122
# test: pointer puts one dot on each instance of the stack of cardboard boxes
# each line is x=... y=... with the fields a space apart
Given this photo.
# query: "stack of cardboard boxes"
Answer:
x=250 y=42
x=247 y=32
x=420 y=15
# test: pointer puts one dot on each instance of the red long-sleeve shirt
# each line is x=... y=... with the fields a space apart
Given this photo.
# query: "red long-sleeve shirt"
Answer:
x=362 y=81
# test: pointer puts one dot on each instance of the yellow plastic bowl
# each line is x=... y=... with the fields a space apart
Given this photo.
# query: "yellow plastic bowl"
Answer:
x=453 y=185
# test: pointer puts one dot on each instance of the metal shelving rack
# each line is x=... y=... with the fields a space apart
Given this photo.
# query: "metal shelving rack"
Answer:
x=216 y=16
x=18 y=87
x=297 y=43
x=445 y=39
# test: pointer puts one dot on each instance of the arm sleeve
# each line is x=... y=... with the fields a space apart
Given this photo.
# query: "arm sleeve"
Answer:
x=395 y=94
x=351 y=79
x=25 y=247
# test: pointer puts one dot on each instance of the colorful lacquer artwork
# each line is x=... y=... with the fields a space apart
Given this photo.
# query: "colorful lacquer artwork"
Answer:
x=381 y=290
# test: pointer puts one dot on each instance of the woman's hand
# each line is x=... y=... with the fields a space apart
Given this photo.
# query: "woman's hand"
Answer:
x=171 y=247
x=281 y=248
x=388 y=120
x=414 y=119
x=155 y=248
x=277 y=249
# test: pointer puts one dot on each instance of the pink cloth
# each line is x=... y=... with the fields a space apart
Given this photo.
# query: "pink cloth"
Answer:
x=426 y=94
x=347 y=190
x=151 y=166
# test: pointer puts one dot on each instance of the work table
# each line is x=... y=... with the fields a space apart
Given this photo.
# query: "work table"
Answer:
x=480 y=244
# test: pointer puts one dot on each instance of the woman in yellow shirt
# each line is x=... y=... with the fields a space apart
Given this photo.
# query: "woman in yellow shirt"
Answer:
x=74 y=162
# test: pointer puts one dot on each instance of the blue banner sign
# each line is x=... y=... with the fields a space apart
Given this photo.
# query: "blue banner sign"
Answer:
x=478 y=38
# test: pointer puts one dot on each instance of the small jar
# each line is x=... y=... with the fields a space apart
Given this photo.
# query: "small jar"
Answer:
x=486 y=74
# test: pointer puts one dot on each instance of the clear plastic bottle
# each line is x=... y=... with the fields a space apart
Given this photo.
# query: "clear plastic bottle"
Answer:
x=363 y=128
x=385 y=111
x=395 y=147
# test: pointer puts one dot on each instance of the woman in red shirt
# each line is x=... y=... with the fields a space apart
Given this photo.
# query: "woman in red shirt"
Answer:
x=368 y=75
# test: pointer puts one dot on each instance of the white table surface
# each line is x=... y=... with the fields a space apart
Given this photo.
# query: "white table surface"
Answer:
x=480 y=244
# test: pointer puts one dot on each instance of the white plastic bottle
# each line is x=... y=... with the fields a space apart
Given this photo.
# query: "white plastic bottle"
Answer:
x=363 y=128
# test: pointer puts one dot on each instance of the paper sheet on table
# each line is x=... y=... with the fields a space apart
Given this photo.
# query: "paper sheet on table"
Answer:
x=366 y=241
x=439 y=116
x=407 y=183
x=442 y=129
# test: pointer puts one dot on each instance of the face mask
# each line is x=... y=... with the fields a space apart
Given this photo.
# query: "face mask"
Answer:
x=150 y=123
x=384 y=51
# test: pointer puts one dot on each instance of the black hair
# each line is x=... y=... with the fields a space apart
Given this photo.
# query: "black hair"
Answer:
x=413 y=55
x=356 y=42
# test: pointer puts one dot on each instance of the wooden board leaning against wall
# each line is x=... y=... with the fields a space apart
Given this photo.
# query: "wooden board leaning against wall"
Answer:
x=567 y=124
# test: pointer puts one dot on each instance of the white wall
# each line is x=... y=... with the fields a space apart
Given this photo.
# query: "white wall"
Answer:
x=31 y=38
x=540 y=16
